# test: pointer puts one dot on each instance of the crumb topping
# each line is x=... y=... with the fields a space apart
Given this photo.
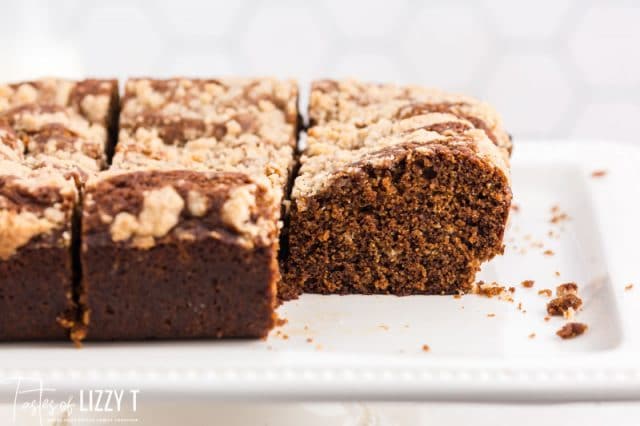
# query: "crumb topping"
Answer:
x=246 y=126
x=51 y=139
x=160 y=213
x=60 y=118
x=359 y=124
x=48 y=203
x=197 y=203
x=17 y=229
x=249 y=155
x=96 y=107
x=226 y=109
x=364 y=103
x=238 y=213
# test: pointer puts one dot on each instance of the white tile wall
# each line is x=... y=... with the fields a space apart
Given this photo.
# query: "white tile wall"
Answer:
x=558 y=68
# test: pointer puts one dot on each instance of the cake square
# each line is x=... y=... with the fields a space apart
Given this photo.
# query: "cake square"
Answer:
x=192 y=202
x=401 y=190
x=179 y=254
x=54 y=133
x=37 y=210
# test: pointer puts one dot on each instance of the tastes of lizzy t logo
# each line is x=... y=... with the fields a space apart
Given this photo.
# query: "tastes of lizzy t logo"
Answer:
x=32 y=398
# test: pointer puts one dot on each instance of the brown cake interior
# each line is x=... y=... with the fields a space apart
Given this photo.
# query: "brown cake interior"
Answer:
x=421 y=223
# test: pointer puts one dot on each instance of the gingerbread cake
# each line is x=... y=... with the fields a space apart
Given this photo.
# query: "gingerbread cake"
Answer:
x=401 y=190
x=53 y=134
x=180 y=237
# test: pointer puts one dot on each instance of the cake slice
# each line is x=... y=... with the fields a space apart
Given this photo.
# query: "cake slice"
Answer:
x=54 y=133
x=36 y=272
x=180 y=237
x=401 y=190
x=179 y=254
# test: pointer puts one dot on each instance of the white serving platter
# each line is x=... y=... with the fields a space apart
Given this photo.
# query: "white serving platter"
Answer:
x=371 y=347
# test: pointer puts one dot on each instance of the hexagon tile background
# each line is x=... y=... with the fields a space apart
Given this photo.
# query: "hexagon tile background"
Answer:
x=553 y=68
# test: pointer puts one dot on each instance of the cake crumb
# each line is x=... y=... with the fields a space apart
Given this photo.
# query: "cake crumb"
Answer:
x=598 y=173
x=556 y=273
x=527 y=283
x=557 y=218
x=318 y=347
x=457 y=296
x=569 y=314
x=628 y=287
x=571 y=330
x=515 y=207
x=557 y=215
x=309 y=340
x=425 y=348
x=491 y=315
x=545 y=292
x=285 y=337
x=281 y=321
x=532 y=336
x=548 y=252
x=489 y=290
x=547 y=318
x=512 y=290
x=384 y=327
x=564 y=305
x=566 y=288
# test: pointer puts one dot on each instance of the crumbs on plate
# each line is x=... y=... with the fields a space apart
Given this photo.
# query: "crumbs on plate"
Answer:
x=571 y=330
x=527 y=283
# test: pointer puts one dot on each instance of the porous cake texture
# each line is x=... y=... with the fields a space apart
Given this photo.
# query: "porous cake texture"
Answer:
x=401 y=190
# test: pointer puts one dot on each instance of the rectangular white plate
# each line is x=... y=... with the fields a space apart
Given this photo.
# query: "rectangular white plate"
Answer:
x=371 y=347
